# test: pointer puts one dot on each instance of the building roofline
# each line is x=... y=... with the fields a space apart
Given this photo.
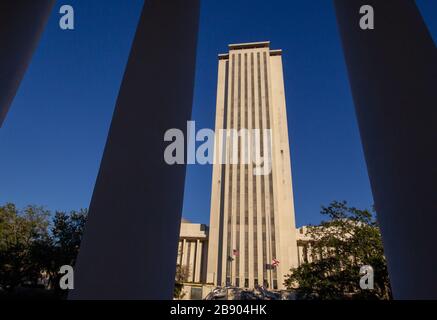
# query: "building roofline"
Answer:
x=275 y=52
x=223 y=56
x=249 y=45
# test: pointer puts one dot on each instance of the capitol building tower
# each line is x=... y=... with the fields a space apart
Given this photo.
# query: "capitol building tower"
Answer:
x=252 y=233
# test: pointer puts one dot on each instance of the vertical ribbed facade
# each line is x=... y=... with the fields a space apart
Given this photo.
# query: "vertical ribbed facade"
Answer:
x=252 y=215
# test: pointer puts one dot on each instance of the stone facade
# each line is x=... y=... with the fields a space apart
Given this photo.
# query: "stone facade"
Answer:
x=252 y=220
x=252 y=238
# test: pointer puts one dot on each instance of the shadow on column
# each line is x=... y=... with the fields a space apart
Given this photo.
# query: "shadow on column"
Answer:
x=130 y=242
x=393 y=76
x=21 y=25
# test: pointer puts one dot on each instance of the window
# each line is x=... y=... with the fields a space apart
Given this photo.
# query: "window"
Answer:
x=196 y=293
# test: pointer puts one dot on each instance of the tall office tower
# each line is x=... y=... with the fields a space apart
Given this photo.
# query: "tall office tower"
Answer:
x=252 y=238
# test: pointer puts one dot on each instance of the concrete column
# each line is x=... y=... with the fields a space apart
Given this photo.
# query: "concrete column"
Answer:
x=286 y=243
x=218 y=179
x=21 y=25
x=192 y=260
x=221 y=277
x=198 y=261
x=298 y=255
x=179 y=259
x=242 y=182
x=257 y=178
x=234 y=167
x=265 y=178
x=393 y=76
x=130 y=243
x=184 y=252
x=251 y=179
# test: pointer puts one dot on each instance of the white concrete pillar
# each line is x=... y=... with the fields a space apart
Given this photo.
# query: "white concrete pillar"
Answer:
x=198 y=263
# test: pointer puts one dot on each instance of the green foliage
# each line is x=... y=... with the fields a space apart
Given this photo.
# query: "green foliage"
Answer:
x=33 y=248
x=177 y=292
x=21 y=232
x=66 y=235
x=182 y=274
x=342 y=244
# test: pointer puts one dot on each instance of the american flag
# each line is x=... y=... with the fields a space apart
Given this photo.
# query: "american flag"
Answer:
x=275 y=262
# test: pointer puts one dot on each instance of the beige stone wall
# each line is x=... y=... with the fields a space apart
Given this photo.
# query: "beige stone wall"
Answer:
x=193 y=250
x=250 y=213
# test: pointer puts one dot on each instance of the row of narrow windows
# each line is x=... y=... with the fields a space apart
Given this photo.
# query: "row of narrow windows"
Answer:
x=268 y=244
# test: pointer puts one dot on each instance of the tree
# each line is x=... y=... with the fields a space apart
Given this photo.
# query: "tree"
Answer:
x=20 y=233
x=32 y=248
x=182 y=274
x=65 y=237
x=347 y=241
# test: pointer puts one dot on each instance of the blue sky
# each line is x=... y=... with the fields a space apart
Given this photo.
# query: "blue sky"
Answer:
x=52 y=141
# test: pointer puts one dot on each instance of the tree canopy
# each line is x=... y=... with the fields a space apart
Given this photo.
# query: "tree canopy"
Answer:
x=34 y=243
x=349 y=239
